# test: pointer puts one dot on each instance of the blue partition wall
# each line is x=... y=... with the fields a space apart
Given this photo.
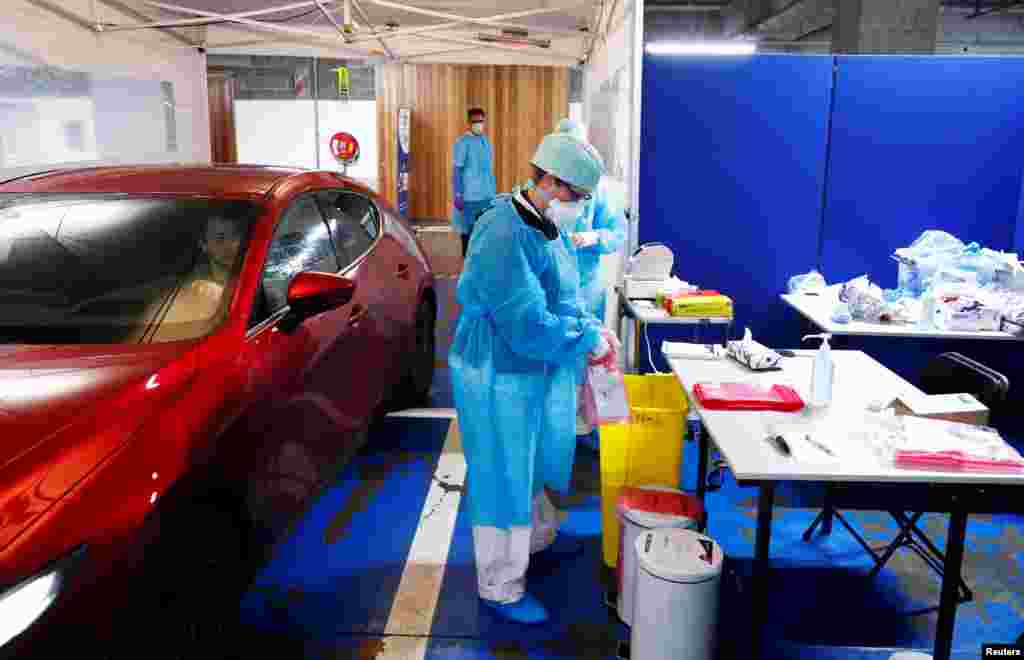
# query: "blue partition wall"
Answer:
x=1018 y=243
x=921 y=143
x=732 y=174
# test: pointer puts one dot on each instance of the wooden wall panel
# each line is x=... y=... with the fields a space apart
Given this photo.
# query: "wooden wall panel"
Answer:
x=223 y=141
x=523 y=103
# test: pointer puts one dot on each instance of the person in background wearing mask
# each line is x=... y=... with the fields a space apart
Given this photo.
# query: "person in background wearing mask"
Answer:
x=473 y=180
x=599 y=229
x=513 y=363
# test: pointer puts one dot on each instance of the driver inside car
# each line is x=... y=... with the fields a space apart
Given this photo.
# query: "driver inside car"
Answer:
x=221 y=245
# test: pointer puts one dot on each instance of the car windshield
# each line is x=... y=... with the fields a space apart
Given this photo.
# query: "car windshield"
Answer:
x=114 y=269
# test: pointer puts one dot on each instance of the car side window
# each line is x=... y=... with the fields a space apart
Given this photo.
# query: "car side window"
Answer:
x=302 y=242
x=354 y=222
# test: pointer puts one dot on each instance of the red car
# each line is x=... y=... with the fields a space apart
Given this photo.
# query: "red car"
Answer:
x=187 y=356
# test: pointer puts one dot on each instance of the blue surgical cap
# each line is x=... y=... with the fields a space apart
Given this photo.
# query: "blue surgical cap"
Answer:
x=573 y=128
x=571 y=160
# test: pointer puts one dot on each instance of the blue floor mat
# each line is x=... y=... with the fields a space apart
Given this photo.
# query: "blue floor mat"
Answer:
x=339 y=570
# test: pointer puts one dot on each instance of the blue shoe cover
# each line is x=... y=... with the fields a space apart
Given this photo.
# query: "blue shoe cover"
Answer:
x=527 y=610
x=564 y=546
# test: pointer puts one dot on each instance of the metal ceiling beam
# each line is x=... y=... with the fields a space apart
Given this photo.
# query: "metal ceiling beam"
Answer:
x=978 y=11
x=323 y=10
x=366 y=19
x=795 y=18
x=201 y=21
x=685 y=9
x=454 y=24
x=416 y=56
x=464 y=20
x=595 y=24
x=608 y=22
x=539 y=52
x=94 y=25
x=69 y=16
x=271 y=27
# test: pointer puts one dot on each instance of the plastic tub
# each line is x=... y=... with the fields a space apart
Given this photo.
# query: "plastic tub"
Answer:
x=675 y=616
x=646 y=452
x=642 y=509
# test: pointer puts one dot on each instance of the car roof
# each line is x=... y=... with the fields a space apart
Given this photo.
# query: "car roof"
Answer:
x=247 y=181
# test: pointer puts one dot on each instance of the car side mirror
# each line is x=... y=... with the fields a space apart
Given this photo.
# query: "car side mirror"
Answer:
x=312 y=293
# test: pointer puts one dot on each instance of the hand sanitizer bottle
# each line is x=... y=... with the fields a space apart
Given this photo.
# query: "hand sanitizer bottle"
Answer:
x=822 y=373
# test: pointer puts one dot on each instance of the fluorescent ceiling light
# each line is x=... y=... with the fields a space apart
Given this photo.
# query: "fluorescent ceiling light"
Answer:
x=702 y=48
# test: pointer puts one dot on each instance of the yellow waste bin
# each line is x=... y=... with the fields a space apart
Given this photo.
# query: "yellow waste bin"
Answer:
x=646 y=452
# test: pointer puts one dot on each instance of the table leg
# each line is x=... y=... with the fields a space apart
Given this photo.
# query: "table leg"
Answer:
x=950 y=597
x=702 y=463
x=759 y=597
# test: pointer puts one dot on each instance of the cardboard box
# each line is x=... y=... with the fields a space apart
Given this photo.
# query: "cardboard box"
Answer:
x=962 y=408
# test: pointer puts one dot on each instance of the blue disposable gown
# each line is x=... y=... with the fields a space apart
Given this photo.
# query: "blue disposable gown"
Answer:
x=603 y=214
x=473 y=178
x=519 y=336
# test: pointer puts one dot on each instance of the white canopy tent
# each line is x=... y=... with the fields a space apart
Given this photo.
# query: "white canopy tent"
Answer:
x=538 y=32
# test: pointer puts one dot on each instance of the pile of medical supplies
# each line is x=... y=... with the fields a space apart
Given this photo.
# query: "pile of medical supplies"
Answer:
x=942 y=284
x=686 y=300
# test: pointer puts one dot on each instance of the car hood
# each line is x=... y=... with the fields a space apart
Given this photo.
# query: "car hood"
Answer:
x=62 y=411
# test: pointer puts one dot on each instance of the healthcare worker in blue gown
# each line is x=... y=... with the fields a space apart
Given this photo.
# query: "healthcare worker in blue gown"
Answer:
x=473 y=182
x=599 y=229
x=513 y=365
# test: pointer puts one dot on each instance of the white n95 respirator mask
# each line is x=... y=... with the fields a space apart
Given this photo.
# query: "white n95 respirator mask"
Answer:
x=564 y=214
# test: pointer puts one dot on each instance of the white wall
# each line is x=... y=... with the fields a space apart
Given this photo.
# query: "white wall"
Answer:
x=609 y=112
x=35 y=130
x=360 y=119
x=125 y=110
x=283 y=132
x=276 y=132
x=576 y=111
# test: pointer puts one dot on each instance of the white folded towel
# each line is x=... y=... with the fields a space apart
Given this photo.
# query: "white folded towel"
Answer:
x=690 y=351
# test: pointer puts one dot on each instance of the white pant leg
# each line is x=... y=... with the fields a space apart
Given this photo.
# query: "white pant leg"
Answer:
x=502 y=556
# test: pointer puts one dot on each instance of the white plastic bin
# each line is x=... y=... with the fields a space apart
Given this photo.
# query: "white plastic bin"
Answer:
x=641 y=508
x=676 y=611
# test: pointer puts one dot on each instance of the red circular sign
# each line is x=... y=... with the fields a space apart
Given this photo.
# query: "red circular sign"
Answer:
x=344 y=147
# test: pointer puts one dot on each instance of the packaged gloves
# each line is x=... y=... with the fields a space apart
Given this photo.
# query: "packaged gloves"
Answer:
x=752 y=354
x=812 y=282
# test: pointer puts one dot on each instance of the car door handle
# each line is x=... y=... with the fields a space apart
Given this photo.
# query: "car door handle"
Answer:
x=357 y=315
x=403 y=272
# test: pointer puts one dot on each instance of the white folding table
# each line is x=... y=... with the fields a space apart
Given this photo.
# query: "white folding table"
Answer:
x=859 y=380
x=644 y=313
x=818 y=310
